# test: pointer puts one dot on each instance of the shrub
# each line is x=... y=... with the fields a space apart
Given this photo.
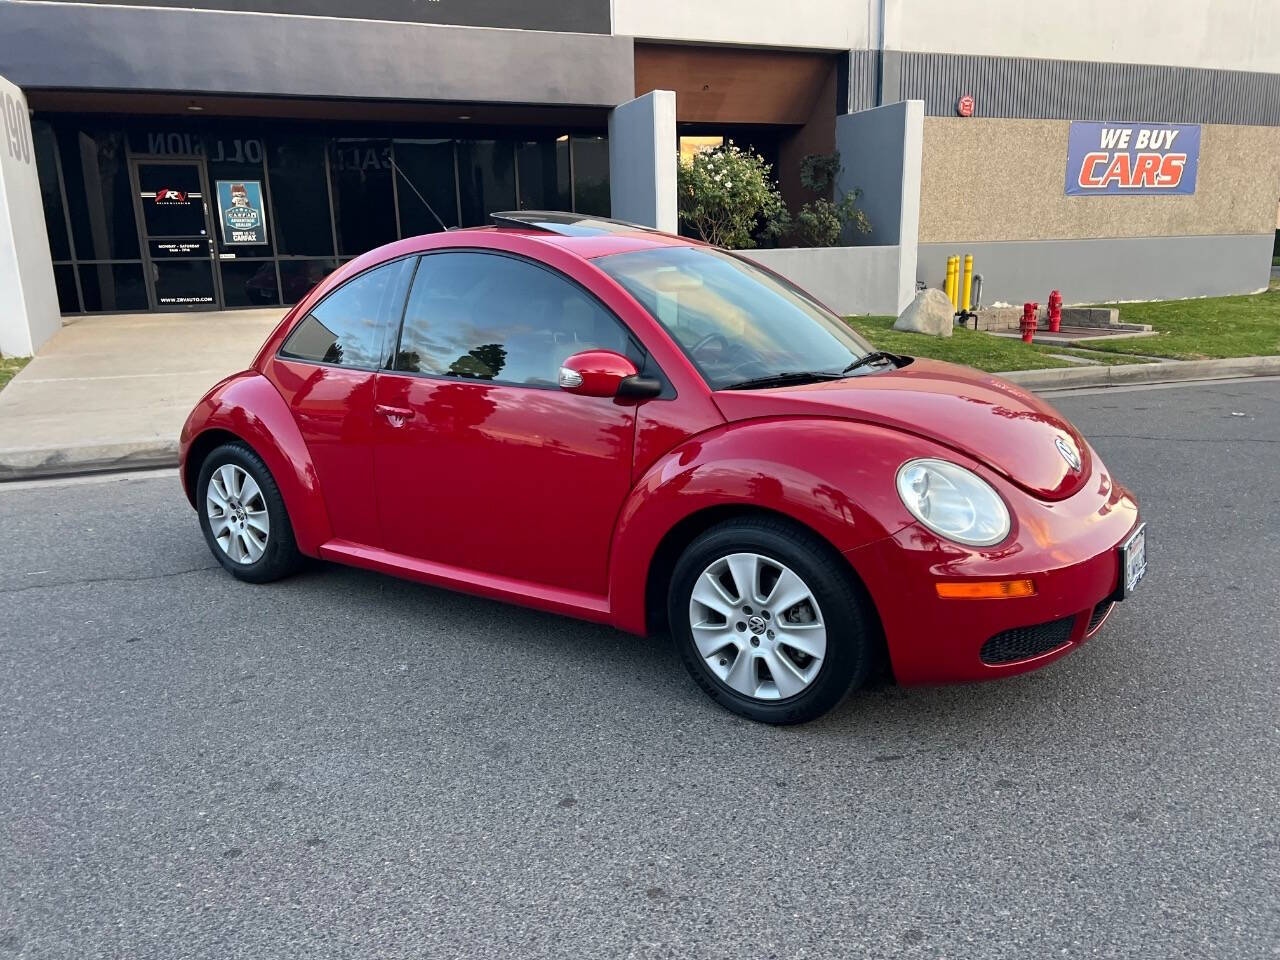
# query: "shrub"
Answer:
x=821 y=222
x=728 y=198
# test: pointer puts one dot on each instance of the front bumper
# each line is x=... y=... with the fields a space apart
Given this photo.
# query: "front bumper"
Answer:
x=1069 y=549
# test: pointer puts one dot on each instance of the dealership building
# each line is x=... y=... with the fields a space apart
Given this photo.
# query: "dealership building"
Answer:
x=217 y=154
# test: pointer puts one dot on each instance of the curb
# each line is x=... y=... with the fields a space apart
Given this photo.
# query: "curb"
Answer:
x=36 y=462
x=1069 y=378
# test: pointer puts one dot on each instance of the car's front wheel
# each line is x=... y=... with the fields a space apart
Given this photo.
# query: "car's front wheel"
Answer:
x=243 y=516
x=770 y=621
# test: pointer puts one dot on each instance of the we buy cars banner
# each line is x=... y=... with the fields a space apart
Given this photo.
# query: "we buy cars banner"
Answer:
x=1132 y=158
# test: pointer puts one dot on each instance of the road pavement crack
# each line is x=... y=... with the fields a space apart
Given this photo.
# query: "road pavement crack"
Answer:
x=89 y=580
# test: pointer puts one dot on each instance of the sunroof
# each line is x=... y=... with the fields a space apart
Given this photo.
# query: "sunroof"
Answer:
x=566 y=224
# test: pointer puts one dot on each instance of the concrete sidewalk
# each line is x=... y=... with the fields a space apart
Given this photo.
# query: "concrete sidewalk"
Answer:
x=113 y=391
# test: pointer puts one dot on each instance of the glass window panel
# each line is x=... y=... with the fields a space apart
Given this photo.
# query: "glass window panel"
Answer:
x=427 y=188
x=591 y=175
x=64 y=278
x=299 y=195
x=236 y=158
x=249 y=283
x=95 y=170
x=297 y=277
x=487 y=179
x=113 y=286
x=350 y=327
x=47 y=168
x=173 y=204
x=488 y=317
x=183 y=283
x=363 y=209
x=544 y=174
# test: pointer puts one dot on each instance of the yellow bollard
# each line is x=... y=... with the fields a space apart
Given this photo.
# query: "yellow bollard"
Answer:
x=967 y=289
x=953 y=267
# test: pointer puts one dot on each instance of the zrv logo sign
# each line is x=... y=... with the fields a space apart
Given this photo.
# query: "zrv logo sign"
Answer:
x=1132 y=158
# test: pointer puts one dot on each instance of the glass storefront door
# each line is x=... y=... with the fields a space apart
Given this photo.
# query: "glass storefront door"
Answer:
x=173 y=204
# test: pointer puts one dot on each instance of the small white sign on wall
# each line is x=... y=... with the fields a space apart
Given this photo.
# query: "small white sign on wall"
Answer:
x=29 y=312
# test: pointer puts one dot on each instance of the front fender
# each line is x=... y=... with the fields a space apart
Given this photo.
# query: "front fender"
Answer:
x=249 y=406
x=834 y=476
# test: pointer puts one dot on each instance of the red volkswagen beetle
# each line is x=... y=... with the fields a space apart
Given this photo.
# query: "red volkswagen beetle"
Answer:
x=596 y=419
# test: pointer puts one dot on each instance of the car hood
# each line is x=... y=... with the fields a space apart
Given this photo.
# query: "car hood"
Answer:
x=1010 y=430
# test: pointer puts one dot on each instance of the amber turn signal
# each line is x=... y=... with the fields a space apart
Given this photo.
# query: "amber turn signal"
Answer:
x=985 y=589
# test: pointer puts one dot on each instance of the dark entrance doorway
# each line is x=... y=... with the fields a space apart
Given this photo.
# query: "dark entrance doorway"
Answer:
x=173 y=205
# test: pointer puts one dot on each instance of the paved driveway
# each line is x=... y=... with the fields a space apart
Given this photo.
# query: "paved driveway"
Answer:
x=345 y=765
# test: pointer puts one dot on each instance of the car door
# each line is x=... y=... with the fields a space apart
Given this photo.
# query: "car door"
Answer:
x=325 y=370
x=481 y=462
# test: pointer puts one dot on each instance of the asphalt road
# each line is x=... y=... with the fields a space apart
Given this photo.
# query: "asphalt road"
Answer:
x=345 y=765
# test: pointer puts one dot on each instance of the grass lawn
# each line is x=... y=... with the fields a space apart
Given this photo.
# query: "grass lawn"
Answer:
x=1246 y=326
x=972 y=348
x=9 y=366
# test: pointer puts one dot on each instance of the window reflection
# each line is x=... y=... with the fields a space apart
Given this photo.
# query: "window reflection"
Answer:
x=299 y=195
x=363 y=210
x=297 y=277
x=489 y=317
x=249 y=283
x=591 y=175
x=95 y=169
x=427 y=188
x=349 y=326
x=328 y=198
x=486 y=179
x=544 y=174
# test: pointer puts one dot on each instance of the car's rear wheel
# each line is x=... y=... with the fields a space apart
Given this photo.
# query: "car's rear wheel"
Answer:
x=770 y=621
x=243 y=516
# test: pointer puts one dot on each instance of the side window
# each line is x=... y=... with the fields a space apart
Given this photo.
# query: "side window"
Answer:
x=489 y=317
x=350 y=327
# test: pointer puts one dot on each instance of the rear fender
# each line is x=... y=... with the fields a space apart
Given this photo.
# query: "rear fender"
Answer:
x=835 y=477
x=249 y=407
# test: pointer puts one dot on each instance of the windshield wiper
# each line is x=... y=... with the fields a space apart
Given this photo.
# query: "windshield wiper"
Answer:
x=875 y=356
x=782 y=379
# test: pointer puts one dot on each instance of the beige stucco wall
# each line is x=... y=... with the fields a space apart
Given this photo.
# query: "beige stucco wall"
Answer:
x=993 y=179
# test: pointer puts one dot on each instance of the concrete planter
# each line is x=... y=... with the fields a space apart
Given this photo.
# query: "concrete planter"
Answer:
x=849 y=280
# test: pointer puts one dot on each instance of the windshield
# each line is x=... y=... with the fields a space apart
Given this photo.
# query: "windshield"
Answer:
x=736 y=322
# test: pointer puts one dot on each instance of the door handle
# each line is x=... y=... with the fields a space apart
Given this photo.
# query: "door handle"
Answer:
x=395 y=415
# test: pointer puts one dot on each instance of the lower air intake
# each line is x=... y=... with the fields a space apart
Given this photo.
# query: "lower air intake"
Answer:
x=1023 y=643
x=1099 y=614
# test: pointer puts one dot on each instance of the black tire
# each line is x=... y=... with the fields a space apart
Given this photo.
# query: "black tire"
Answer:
x=852 y=628
x=280 y=556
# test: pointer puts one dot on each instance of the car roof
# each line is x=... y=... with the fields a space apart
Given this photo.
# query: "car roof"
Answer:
x=584 y=235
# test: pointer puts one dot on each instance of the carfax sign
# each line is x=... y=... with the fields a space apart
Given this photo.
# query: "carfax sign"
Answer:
x=241 y=213
x=1132 y=158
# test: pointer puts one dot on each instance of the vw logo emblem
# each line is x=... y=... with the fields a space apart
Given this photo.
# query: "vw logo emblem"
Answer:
x=756 y=625
x=1069 y=453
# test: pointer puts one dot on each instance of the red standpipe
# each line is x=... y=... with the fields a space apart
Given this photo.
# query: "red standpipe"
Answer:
x=1028 y=322
x=1055 y=311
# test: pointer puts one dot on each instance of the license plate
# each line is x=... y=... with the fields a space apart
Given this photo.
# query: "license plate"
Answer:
x=1133 y=560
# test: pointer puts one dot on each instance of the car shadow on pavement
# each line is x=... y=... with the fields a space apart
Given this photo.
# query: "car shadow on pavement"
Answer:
x=412 y=622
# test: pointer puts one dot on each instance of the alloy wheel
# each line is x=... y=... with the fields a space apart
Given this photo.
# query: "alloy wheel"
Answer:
x=237 y=512
x=758 y=626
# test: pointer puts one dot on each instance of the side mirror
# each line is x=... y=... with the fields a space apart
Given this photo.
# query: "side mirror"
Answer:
x=603 y=373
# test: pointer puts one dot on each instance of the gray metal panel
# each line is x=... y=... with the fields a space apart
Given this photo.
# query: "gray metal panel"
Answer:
x=198 y=51
x=1109 y=269
x=1086 y=90
x=864 y=80
x=576 y=16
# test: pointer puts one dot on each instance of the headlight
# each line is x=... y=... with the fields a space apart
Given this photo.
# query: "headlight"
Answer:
x=953 y=502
